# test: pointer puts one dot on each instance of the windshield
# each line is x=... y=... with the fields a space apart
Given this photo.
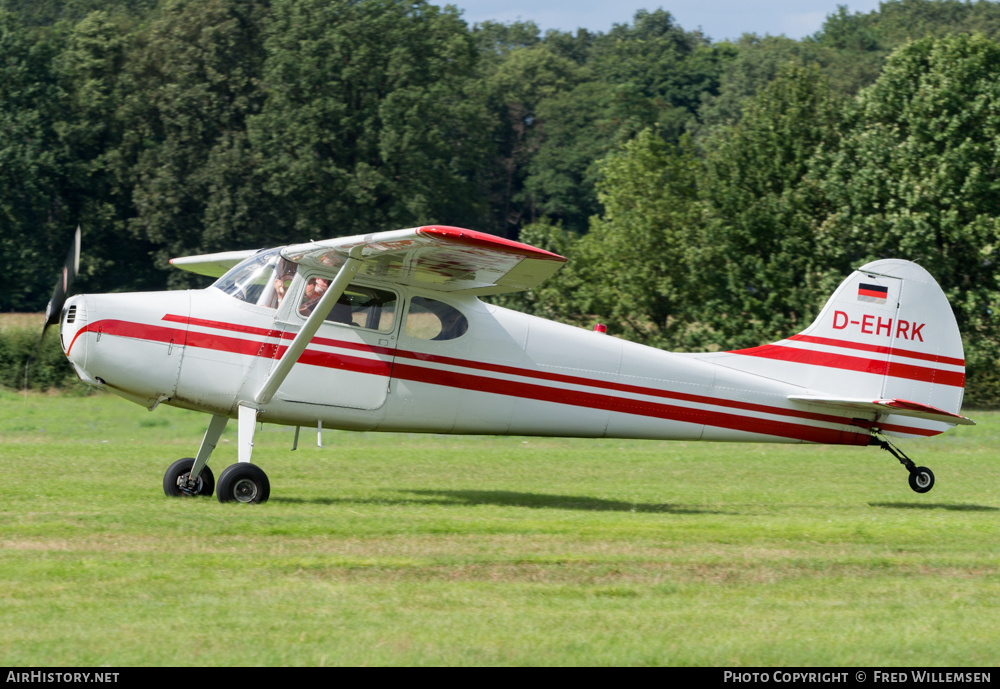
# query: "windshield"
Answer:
x=261 y=279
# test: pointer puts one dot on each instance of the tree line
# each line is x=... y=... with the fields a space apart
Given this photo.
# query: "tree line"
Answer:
x=708 y=194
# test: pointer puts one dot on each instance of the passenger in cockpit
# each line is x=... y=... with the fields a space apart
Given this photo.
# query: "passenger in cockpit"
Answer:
x=315 y=288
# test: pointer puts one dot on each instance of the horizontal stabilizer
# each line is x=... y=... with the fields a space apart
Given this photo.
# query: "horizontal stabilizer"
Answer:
x=887 y=406
x=212 y=265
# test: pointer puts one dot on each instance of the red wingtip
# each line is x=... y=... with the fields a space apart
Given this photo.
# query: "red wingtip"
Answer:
x=489 y=241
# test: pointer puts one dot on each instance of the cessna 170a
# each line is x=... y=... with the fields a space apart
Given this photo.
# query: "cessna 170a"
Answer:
x=386 y=332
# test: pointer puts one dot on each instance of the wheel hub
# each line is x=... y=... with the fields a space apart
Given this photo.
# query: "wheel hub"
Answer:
x=245 y=490
x=186 y=485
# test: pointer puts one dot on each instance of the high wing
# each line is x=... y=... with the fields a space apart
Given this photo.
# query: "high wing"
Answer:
x=448 y=259
x=212 y=265
x=887 y=406
x=442 y=258
x=438 y=257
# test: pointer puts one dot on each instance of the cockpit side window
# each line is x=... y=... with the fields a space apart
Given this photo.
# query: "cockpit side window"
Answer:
x=261 y=279
x=358 y=306
x=430 y=319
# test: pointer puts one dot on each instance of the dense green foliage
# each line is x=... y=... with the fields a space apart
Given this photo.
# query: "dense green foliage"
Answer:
x=24 y=362
x=708 y=194
x=759 y=233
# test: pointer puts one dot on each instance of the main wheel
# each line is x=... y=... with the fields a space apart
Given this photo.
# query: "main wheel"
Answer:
x=243 y=482
x=176 y=479
x=921 y=479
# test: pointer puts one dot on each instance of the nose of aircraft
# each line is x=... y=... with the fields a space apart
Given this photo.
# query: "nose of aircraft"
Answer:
x=72 y=323
x=129 y=343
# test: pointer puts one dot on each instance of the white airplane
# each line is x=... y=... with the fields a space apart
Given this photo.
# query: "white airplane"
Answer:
x=386 y=332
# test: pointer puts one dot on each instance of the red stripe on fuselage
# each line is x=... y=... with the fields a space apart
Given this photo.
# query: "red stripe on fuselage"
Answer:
x=219 y=325
x=236 y=345
x=536 y=374
x=264 y=332
x=878 y=349
x=846 y=362
x=620 y=387
x=135 y=331
x=523 y=390
x=781 y=429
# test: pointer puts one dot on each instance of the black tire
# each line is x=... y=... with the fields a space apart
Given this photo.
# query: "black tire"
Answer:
x=180 y=470
x=243 y=482
x=921 y=479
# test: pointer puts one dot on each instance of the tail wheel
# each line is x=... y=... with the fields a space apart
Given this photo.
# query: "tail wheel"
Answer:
x=243 y=482
x=177 y=481
x=921 y=479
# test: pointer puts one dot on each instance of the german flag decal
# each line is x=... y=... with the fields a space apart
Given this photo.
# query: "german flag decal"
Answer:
x=872 y=293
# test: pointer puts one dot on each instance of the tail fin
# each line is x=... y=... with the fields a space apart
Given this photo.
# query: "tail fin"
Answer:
x=886 y=344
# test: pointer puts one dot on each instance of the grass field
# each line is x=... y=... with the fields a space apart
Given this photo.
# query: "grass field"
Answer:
x=424 y=550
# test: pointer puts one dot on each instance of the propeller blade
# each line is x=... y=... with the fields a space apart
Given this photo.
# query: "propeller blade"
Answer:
x=63 y=284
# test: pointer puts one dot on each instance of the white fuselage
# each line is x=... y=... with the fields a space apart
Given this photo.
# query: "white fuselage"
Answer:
x=509 y=373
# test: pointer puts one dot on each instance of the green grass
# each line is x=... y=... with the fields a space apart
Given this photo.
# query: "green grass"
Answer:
x=427 y=550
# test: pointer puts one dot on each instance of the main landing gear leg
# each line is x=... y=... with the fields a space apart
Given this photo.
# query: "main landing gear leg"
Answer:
x=921 y=478
x=191 y=475
x=243 y=481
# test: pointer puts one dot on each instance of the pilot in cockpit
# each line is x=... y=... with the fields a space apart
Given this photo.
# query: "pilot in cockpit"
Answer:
x=284 y=273
x=281 y=284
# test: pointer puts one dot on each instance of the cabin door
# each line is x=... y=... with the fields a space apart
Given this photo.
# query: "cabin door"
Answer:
x=349 y=361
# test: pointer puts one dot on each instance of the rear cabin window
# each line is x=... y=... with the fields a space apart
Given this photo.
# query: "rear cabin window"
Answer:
x=430 y=319
x=359 y=307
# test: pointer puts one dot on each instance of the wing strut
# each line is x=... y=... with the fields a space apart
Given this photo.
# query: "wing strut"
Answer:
x=298 y=345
